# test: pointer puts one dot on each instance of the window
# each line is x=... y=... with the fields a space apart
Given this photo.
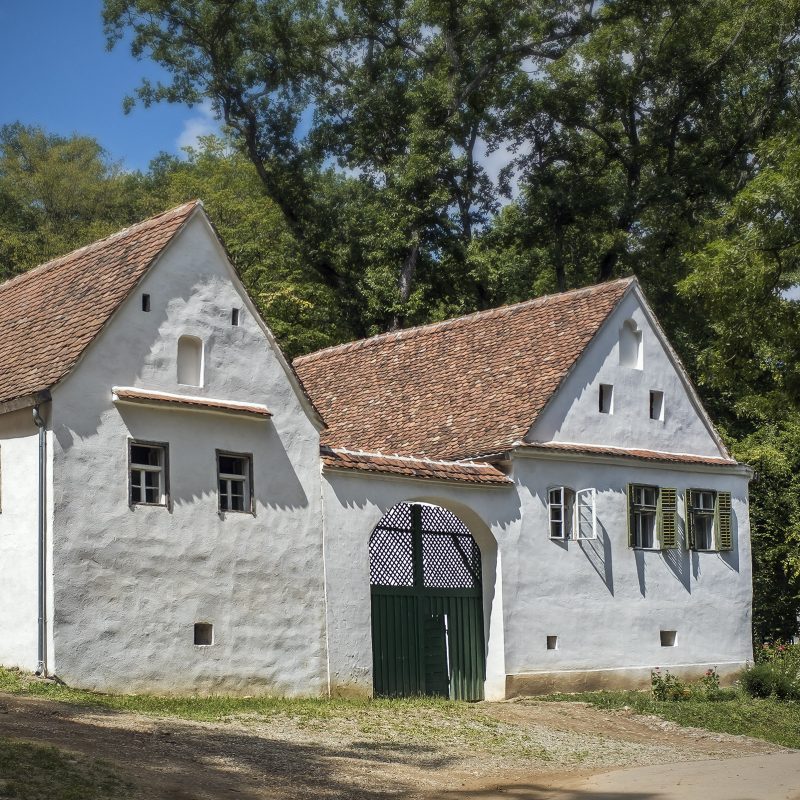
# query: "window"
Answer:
x=708 y=519
x=145 y=302
x=234 y=475
x=630 y=345
x=652 y=517
x=606 y=398
x=203 y=634
x=585 y=515
x=657 y=405
x=552 y=642
x=560 y=501
x=190 y=361
x=643 y=508
x=148 y=474
x=234 y=316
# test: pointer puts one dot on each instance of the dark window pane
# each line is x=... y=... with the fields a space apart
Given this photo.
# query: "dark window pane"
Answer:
x=150 y=456
x=230 y=465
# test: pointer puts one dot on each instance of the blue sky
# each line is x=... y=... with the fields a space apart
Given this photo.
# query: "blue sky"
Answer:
x=59 y=75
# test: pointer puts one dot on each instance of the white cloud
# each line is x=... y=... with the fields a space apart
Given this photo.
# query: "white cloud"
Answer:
x=203 y=123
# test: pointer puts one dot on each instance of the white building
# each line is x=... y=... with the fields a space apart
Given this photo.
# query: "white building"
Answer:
x=521 y=499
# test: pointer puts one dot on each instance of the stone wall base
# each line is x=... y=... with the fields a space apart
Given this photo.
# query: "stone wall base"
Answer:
x=538 y=683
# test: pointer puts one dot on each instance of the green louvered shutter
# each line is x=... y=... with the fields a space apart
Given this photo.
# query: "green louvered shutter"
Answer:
x=724 y=521
x=687 y=503
x=630 y=515
x=668 y=518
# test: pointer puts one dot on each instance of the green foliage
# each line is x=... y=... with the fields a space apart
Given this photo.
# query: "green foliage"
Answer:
x=776 y=672
x=733 y=712
x=58 y=193
x=667 y=686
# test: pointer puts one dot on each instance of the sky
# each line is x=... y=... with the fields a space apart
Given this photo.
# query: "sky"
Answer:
x=58 y=75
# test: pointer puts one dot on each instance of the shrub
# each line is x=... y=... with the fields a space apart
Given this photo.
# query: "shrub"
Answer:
x=769 y=680
x=668 y=686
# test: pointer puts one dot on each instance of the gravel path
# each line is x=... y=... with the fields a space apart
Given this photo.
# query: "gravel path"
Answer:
x=525 y=749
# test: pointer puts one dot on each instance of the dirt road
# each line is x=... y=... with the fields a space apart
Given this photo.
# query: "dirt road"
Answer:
x=509 y=750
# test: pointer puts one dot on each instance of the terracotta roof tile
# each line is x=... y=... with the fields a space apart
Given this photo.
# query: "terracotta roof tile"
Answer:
x=146 y=396
x=460 y=471
x=646 y=455
x=455 y=389
x=49 y=315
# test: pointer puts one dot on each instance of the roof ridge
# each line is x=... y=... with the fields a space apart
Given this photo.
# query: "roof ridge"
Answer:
x=40 y=269
x=423 y=459
x=406 y=333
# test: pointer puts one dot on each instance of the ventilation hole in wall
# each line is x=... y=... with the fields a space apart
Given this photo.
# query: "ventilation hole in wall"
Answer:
x=552 y=642
x=668 y=638
x=606 y=398
x=656 y=405
x=145 y=302
x=203 y=633
x=234 y=316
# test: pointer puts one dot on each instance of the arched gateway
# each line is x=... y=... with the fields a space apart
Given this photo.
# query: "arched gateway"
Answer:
x=427 y=605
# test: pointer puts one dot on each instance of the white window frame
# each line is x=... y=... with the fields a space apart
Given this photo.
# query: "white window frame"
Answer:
x=161 y=469
x=246 y=479
x=581 y=498
x=704 y=512
x=565 y=504
x=656 y=545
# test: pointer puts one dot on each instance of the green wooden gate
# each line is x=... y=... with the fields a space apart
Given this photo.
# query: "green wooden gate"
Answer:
x=427 y=605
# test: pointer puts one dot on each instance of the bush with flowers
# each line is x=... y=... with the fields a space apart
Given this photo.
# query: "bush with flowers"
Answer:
x=776 y=672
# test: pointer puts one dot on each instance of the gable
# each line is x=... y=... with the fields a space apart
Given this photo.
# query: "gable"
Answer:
x=192 y=291
x=49 y=315
x=456 y=389
x=573 y=416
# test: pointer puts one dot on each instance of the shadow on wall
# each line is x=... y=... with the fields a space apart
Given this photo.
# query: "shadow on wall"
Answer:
x=598 y=554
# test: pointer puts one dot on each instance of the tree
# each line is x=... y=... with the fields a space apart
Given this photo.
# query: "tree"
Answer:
x=401 y=93
x=647 y=126
x=57 y=193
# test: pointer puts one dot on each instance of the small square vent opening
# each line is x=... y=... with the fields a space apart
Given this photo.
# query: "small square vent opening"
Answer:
x=669 y=638
x=552 y=642
x=203 y=633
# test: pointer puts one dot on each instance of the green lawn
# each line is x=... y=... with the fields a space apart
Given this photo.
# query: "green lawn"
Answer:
x=36 y=772
x=774 y=720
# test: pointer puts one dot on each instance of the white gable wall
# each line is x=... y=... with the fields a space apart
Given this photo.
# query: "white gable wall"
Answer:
x=132 y=581
x=573 y=413
x=19 y=539
x=607 y=602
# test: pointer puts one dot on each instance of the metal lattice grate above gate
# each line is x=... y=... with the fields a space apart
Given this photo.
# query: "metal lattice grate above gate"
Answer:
x=450 y=558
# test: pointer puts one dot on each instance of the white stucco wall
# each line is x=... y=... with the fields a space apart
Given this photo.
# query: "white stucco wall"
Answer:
x=19 y=504
x=606 y=602
x=132 y=581
x=354 y=504
x=573 y=414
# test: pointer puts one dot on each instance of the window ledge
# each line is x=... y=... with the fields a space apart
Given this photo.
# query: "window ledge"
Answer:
x=167 y=400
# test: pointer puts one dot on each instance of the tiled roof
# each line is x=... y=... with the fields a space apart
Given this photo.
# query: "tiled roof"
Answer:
x=147 y=397
x=49 y=315
x=646 y=455
x=456 y=389
x=460 y=471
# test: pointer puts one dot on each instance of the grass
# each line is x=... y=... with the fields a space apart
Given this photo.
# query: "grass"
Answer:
x=421 y=721
x=36 y=772
x=734 y=712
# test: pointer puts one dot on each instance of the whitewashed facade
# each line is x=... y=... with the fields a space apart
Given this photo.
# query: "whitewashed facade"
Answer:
x=279 y=592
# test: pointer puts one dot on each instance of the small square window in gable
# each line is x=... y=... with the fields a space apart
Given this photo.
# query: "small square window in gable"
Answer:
x=203 y=634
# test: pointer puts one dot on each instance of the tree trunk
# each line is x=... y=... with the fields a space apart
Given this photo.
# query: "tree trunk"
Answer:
x=406 y=280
